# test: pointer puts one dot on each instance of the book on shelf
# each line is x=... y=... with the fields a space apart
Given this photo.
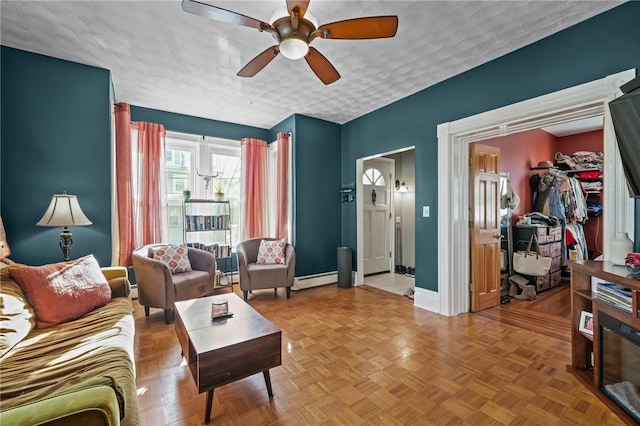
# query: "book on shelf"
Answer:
x=218 y=250
x=613 y=295
x=194 y=222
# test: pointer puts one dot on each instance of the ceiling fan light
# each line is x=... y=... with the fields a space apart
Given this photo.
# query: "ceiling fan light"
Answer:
x=294 y=48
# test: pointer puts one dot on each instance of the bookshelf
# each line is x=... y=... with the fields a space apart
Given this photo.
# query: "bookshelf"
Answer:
x=207 y=226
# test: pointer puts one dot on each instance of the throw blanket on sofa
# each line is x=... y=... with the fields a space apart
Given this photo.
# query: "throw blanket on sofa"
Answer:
x=49 y=360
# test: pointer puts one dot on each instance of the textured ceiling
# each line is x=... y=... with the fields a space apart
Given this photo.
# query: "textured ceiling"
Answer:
x=163 y=58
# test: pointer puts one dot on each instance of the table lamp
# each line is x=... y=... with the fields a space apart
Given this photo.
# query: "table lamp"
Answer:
x=64 y=211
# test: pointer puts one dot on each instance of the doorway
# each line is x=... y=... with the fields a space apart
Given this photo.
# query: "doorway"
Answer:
x=520 y=153
x=399 y=220
x=586 y=100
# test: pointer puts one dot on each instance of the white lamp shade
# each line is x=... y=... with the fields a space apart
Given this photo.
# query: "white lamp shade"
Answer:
x=294 y=48
x=64 y=210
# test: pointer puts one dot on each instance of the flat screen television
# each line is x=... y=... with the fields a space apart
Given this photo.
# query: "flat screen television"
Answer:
x=625 y=114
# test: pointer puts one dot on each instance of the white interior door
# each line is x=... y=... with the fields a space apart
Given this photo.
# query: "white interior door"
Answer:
x=376 y=179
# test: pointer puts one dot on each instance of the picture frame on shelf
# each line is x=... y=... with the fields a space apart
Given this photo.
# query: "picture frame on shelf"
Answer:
x=586 y=323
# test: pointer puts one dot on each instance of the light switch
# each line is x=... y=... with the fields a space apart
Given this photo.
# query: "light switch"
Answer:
x=425 y=211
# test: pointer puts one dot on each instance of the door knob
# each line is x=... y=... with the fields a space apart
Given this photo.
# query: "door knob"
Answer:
x=498 y=236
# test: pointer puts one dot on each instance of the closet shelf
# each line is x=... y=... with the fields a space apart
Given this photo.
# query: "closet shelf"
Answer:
x=592 y=169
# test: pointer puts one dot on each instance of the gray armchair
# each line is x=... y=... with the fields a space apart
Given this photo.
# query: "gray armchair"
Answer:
x=255 y=276
x=159 y=288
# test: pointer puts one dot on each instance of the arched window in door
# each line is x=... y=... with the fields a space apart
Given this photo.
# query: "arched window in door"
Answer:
x=373 y=176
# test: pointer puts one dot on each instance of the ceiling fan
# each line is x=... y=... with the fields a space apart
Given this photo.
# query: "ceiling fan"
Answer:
x=294 y=29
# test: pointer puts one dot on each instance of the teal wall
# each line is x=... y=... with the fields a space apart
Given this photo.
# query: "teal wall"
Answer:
x=55 y=136
x=606 y=44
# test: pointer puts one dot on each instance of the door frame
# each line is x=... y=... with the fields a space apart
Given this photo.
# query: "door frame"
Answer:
x=360 y=213
x=582 y=101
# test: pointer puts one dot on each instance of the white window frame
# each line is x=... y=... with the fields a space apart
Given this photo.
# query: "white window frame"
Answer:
x=202 y=149
x=183 y=146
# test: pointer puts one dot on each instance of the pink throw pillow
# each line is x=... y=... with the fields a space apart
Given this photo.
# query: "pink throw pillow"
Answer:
x=175 y=257
x=63 y=291
x=271 y=252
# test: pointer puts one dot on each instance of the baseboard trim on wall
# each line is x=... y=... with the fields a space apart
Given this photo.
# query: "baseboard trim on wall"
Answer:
x=315 y=280
x=426 y=299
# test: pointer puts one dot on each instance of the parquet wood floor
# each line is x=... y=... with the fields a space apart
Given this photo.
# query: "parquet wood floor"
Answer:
x=549 y=314
x=362 y=356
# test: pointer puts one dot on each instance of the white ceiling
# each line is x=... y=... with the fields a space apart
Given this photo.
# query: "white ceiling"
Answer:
x=163 y=58
x=575 y=127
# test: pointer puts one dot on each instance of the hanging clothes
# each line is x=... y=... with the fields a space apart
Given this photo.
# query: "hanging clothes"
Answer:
x=580 y=213
x=556 y=198
x=577 y=233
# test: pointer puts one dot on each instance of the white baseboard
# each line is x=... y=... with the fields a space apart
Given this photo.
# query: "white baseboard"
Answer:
x=300 y=283
x=426 y=299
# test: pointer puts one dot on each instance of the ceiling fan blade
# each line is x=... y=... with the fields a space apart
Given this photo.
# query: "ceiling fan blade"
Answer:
x=321 y=66
x=361 y=28
x=259 y=62
x=222 y=15
x=302 y=6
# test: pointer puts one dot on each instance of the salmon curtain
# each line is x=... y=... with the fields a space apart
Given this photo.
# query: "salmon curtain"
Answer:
x=253 y=155
x=140 y=185
x=150 y=194
x=122 y=228
x=282 y=186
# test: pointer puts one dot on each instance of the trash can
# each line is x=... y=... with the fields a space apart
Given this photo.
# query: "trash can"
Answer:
x=344 y=267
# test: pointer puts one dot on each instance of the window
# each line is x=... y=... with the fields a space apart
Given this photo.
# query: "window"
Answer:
x=178 y=163
x=373 y=177
x=188 y=156
x=224 y=159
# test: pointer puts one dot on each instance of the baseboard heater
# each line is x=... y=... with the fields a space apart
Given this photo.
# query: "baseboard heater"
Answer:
x=315 y=280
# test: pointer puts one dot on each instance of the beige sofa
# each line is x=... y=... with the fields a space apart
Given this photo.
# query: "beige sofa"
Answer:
x=76 y=373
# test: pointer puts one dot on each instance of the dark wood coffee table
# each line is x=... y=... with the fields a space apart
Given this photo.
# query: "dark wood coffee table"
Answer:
x=221 y=351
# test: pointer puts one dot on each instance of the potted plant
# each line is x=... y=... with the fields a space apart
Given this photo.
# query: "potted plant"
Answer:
x=186 y=194
x=218 y=194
